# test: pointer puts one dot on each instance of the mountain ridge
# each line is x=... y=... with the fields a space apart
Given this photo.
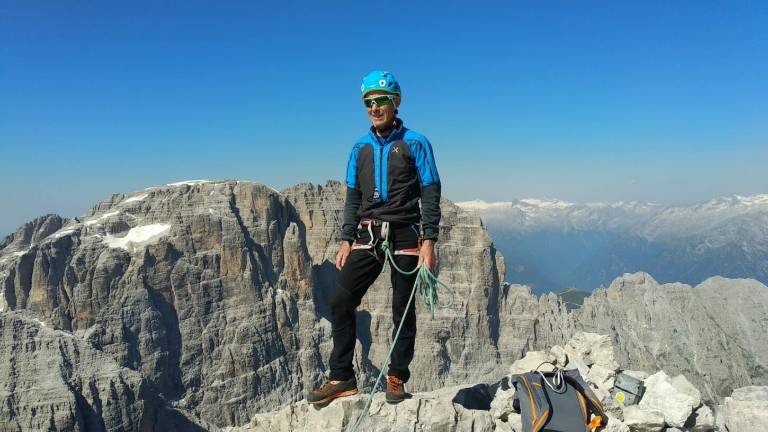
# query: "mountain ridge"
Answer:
x=215 y=294
x=552 y=245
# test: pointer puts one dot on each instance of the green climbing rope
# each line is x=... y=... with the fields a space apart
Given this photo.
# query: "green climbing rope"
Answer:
x=426 y=283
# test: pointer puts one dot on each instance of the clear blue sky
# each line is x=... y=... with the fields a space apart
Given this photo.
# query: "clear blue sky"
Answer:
x=656 y=101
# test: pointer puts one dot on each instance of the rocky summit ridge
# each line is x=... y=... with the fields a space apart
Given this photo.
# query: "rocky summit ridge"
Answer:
x=668 y=404
x=208 y=299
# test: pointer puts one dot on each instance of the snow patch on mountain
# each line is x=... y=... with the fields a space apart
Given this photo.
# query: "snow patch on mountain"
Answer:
x=136 y=198
x=754 y=200
x=548 y=204
x=101 y=218
x=188 y=182
x=61 y=233
x=138 y=237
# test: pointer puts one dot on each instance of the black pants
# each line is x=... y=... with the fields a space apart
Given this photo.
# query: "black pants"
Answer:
x=352 y=282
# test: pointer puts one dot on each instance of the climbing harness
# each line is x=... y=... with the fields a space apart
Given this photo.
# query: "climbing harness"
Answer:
x=373 y=241
x=426 y=283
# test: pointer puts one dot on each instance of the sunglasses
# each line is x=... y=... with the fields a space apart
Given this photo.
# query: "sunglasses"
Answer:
x=379 y=100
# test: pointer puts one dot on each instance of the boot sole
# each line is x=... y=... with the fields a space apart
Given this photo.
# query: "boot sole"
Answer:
x=397 y=399
x=337 y=395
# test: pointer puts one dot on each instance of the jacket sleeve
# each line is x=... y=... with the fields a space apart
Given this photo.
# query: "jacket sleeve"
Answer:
x=354 y=198
x=351 y=219
x=430 y=188
x=430 y=211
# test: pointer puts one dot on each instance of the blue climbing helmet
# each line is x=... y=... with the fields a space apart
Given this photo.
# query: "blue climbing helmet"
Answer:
x=379 y=80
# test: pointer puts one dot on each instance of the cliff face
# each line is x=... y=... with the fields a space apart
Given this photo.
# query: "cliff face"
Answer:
x=196 y=286
x=52 y=380
x=216 y=293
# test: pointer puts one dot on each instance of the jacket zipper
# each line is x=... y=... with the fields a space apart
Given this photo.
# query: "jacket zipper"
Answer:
x=381 y=189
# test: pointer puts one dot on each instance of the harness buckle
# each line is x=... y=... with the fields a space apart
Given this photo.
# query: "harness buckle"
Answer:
x=373 y=222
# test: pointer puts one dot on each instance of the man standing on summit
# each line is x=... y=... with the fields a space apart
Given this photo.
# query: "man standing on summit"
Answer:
x=390 y=169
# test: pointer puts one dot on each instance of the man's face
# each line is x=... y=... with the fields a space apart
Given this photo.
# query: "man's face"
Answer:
x=381 y=116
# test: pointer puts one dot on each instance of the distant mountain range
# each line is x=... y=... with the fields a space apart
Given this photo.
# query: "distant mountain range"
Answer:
x=553 y=245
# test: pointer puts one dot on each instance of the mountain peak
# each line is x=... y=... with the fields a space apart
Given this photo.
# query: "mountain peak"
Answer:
x=552 y=203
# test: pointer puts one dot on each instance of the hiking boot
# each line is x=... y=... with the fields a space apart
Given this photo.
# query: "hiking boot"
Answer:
x=395 y=390
x=332 y=390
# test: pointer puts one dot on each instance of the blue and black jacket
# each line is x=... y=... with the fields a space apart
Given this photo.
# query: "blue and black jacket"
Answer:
x=386 y=177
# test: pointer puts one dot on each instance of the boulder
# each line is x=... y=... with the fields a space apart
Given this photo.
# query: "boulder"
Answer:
x=640 y=375
x=702 y=420
x=602 y=377
x=592 y=349
x=560 y=356
x=661 y=395
x=577 y=363
x=747 y=409
x=531 y=361
x=615 y=425
x=681 y=384
x=643 y=420
x=719 y=412
x=513 y=424
x=751 y=394
x=501 y=405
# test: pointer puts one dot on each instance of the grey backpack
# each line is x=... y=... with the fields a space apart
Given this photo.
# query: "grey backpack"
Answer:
x=557 y=401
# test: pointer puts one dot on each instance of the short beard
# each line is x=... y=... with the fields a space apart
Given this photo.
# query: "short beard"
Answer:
x=388 y=129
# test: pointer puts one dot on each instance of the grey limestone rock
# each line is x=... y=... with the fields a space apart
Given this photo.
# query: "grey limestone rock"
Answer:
x=204 y=288
x=615 y=425
x=685 y=330
x=746 y=410
x=662 y=395
x=639 y=375
x=52 y=380
x=703 y=420
x=534 y=360
x=560 y=356
x=428 y=411
x=593 y=349
x=643 y=420
x=216 y=292
x=33 y=232
x=502 y=404
x=603 y=378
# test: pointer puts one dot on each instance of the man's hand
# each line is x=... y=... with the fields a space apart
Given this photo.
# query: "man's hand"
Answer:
x=427 y=254
x=341 y=256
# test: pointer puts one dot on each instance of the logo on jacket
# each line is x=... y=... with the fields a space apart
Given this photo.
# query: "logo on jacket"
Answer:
x=376 y=195
x=395 y=149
